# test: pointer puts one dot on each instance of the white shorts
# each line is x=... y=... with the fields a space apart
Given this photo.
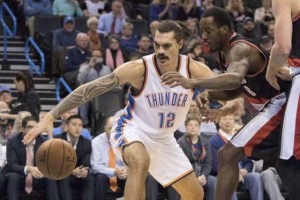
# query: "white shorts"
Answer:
x=168 y=163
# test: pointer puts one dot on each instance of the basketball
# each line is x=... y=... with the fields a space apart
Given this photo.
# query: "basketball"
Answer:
x=56 y=158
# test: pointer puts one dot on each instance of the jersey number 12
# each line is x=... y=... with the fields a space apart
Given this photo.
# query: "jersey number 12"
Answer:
x=166 y=120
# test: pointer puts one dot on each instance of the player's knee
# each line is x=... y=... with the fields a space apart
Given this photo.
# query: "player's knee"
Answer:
x=138 y=161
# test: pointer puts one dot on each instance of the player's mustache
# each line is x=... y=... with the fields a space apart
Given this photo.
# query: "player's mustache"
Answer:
x=162 y=56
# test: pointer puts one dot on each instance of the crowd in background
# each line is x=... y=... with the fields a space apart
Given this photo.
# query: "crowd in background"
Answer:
x=85 y=52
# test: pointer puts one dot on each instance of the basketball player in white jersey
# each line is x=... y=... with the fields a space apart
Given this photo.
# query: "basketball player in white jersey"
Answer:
x=144 y=133
x=286 y=49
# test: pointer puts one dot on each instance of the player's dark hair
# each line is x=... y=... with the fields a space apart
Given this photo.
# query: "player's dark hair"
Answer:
x=27 y=119
x=181 y=32
x=221 y=17
x=73 y=117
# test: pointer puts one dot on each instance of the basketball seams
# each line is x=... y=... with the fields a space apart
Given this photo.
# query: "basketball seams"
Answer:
x=48 y=152
x=63 y=162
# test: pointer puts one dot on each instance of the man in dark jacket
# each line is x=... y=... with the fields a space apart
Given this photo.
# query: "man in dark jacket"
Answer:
x=21 y=169
x=81 y=180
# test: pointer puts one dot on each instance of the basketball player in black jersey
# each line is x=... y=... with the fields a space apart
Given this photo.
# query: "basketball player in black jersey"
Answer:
x=286 y=49
x=244 y=64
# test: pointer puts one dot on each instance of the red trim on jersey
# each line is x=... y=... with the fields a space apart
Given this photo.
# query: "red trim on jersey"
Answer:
x=294 y=62
x=256 y=101
x=297 y=134
x=264 y=132
x=296 y=17
x=261 y=68
x=145 y=78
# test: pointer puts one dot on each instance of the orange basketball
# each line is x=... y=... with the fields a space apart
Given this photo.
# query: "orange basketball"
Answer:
x=56 y=159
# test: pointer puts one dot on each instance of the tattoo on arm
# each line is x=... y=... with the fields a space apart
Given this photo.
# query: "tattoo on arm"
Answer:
x=85 y=93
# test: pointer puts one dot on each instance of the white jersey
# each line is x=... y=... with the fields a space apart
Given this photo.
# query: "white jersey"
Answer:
x=158 y=109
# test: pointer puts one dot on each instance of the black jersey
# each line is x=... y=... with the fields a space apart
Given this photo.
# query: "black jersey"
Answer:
x=294 y=58
x=254 y=86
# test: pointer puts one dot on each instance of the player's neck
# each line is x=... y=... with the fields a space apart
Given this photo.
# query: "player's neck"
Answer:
x=225 y=47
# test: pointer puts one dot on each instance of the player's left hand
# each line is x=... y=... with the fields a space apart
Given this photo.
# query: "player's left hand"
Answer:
x=174 y=79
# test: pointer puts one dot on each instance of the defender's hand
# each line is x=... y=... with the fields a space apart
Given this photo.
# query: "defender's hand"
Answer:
x=45 y=125
x=174 y=79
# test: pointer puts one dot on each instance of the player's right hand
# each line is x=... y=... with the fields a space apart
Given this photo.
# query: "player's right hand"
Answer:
x=45 y=125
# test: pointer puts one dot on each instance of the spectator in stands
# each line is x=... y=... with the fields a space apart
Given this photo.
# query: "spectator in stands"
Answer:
x=249 y=180
x=66 y=8
x=249 y=30
x=192 y=8
x=17 y=127
x=3 y=162
x=114 y=56
x=75 y=58
x=4 y=125
x=153 y=26
x=63 y=39
x=22 y=172
x=111 y=23
x=33 y=8
x=93 y=8
x=176 y=10
x=266 y=42
x=63 y=126
x=198 y=151
x=270 y=31
x=27 y=99
x=206 y=4
x=271 y=180
x=5 y=94
x=95 y=41
x=235 y=9
x=81 y=181
x=128 y=41
x=159 y=10
x=264 y=15
x=89 y=72
x=110 y=171
x=144 y=44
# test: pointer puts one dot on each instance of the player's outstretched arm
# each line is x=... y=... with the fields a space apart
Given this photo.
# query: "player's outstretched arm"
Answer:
x=125 y=73
x=283 y=40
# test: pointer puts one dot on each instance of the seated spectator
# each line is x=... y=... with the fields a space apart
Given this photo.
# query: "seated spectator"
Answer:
x=267 y=43
x=270 y=31
x=95 y=41
x=110 y=171
x=235 y=9
x=128 y=41
x=159 y=10
x=270 y=178
x=66 y=7
x=90 y=72
x=80 y=182
x=111 y=23
x=249 y=31
x=198 y=151
x=63 y=126
x=264 y=15
x=21 y=169
x=3 y=162
x=92 y=8
x=27 y=99
x=5 y=94
x=114 y=56
x=144 y=48
x=206 y=4
x=33 y=8
x=17 y=127
x=63 y=39
x=249 y=180
x=4 y=125
x=75 y=58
